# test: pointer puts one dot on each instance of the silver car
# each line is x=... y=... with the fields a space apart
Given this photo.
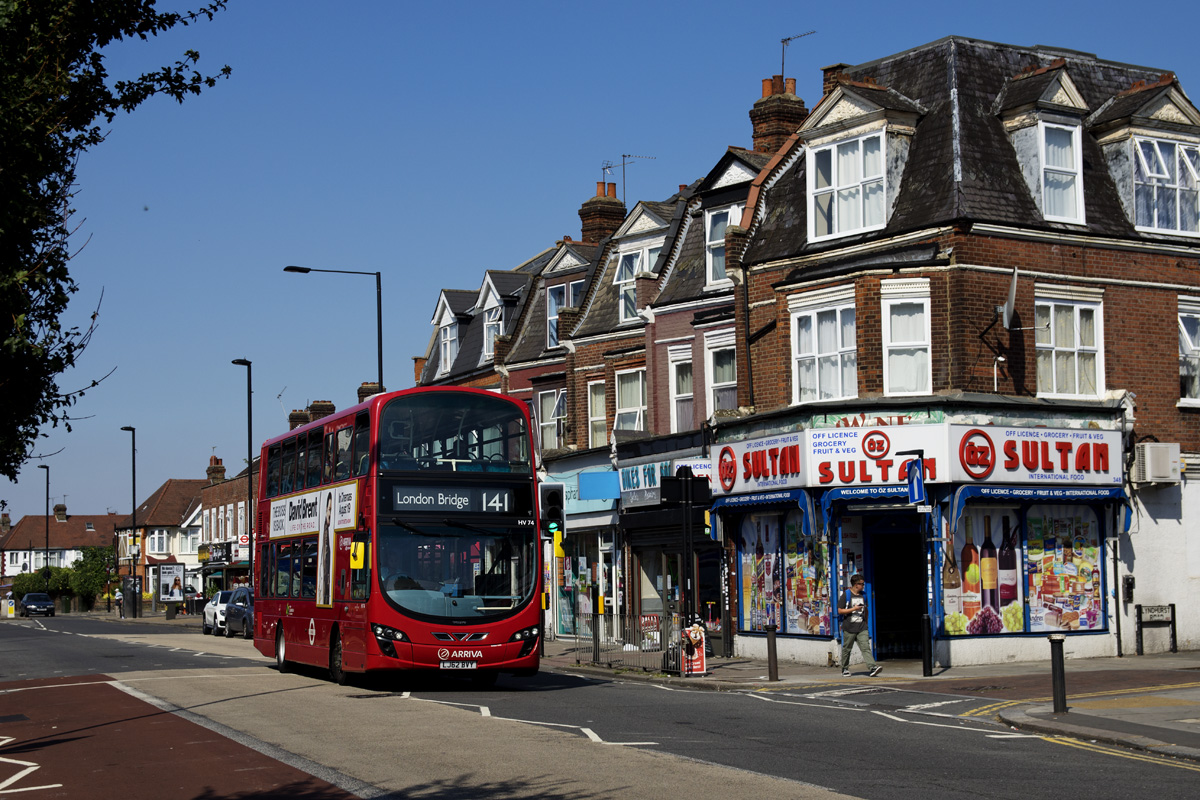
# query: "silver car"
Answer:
x=214 y=612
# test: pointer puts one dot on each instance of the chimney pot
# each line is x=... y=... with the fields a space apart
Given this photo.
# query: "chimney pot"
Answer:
x=768 y=87
x=790 y=86
x=612 y=190
x=599 y=188
x=682 y=187
x=776 y=84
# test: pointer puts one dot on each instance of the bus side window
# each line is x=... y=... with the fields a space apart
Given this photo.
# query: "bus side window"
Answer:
x=266 y=562
x=314 y=460
x=341 y=468
x=362 y=442
x=329 y=450
x=360 y=565
x=273 y=469
x=289 y=466
x=297 y=567
x=283 y=569
x=309 y=570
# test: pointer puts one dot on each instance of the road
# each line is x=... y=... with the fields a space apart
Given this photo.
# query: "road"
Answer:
x=556 y=736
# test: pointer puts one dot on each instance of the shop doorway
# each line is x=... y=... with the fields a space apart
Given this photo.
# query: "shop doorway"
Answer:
x=899 y=585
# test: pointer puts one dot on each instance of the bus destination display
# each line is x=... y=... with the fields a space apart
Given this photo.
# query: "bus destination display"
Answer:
x=468 y=499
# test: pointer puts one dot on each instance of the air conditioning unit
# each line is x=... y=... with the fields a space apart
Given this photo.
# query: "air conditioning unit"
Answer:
x=1156 y=462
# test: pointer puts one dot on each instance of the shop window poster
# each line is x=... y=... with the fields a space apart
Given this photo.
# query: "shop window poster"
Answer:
x=762 y=591
x=807 y=580
x=982 y=586
x=1064 y=569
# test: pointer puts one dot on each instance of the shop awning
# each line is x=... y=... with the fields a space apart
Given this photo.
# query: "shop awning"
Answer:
x=800 y=498
x=861 y=494
x=1036 y=494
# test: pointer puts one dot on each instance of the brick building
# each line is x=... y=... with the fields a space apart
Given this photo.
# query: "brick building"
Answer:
x=971 y=256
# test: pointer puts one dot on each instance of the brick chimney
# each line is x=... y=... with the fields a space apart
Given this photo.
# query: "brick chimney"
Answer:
x=602 y=214
x=297 y=418
x=215 y=471
x=777 y=114
x=831 y=74
x=319 y=409
x=5 y=524
x=418 y=368
x=367 y=389
x=60 y=512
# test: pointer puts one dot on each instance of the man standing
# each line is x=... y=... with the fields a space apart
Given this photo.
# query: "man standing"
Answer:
x=119 y=599
x=853 y=612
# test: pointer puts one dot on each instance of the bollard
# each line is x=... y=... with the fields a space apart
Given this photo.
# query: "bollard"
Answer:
x=772 y=659
x=1058 y=677
x=926 y=646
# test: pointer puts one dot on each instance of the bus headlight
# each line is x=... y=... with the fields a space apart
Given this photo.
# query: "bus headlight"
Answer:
x=385 y=638
x=524 y=633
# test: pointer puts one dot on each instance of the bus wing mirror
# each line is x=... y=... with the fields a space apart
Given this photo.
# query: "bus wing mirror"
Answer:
x=358 y=550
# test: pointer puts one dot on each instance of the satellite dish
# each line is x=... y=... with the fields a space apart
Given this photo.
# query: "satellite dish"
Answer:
x=1011 y=302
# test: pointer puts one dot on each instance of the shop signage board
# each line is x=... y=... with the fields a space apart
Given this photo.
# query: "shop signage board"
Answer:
x=759 y=465
x=1061 y=456
x=868 y=456
x=640 y=483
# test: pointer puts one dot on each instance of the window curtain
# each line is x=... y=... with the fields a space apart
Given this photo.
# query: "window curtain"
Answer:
x=1060 y=185
x=908 y=367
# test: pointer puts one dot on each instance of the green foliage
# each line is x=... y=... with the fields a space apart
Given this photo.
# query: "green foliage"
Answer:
x=60 y=581
x=89 y=575
x=28 y=582
x=54 y=92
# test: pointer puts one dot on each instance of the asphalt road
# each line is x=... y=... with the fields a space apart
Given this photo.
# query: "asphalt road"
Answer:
x=567 y=736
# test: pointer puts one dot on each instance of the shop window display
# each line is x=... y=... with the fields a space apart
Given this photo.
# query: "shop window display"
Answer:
x=996 y=581
x=784 y=576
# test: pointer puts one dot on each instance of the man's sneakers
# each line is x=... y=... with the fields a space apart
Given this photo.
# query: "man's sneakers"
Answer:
x=845 y=673
x=875 y=670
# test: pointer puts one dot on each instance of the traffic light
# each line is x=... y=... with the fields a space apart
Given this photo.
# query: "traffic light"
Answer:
x=550 y=504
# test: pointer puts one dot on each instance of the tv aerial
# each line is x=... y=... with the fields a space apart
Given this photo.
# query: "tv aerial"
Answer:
x=783 y=49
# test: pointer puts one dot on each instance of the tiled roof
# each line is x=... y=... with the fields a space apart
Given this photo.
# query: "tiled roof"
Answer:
x=169 y=505
x=957 y=82
x=70 y=534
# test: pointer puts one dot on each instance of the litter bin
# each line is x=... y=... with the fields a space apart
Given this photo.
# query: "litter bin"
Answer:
x=171 y=610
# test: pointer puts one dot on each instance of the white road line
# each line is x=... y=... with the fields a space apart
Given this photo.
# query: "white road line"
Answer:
x=989 y=733
x=769 y=699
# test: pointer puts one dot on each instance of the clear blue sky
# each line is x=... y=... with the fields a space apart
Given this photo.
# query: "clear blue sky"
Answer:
x=430 y=141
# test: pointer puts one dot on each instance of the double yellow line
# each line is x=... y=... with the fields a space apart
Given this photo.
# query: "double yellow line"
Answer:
x=1150 y=758
x=995 y=707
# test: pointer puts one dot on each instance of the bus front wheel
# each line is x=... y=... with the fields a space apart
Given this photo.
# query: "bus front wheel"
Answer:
x=337 y=670
x=280 y=652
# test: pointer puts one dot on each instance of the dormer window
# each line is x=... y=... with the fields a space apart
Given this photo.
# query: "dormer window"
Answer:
x=715 y=222
x=627 y=270
x=846 y=187
x=556 y=299
x=1166 y=182
x=1062 y=173
x=448 y=341
x=493 y=322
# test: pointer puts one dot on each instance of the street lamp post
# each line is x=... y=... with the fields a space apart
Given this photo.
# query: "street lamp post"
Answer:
x=245 y=362
x=46 y=566
x=135 y=602
x=378 y=306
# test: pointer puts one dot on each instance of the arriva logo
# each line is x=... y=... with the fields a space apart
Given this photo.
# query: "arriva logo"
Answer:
x=467 y=654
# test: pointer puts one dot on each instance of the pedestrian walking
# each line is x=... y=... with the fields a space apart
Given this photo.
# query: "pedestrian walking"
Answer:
x=119 y=599
x=852 y=610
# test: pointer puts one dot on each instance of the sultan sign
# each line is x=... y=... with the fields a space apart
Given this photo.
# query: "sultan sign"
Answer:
x=840 y=457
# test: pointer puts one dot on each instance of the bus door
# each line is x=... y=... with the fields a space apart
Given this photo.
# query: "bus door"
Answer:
x=353 y=587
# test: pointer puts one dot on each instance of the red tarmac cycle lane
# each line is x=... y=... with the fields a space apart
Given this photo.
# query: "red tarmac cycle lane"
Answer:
x=85 y=739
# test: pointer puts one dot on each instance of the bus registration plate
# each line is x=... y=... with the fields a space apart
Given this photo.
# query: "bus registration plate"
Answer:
x=459 y=664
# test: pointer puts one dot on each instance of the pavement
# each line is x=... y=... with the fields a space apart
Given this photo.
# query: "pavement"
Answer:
x=1149 y=703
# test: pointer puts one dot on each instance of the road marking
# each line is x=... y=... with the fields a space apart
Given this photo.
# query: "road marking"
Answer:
x=1149 y=758
x=989 y=733
x=839 y=707
x=923 y=706
x=30 y=767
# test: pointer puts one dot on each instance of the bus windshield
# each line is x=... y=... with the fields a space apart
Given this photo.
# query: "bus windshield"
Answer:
x=449 y=570
x=471 y=433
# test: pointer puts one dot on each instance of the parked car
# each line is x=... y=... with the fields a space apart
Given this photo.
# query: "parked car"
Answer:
x=37 y=603
x=214 y=611
x=239 y=613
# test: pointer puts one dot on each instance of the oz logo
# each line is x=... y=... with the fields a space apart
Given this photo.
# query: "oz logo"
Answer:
x=727 y=469
x=977 y=454
x=876 y=445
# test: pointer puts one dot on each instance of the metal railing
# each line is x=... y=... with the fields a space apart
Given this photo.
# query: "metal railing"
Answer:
x=629 y=641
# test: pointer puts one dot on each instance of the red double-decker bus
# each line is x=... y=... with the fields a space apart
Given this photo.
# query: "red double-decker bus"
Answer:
x=402 y=534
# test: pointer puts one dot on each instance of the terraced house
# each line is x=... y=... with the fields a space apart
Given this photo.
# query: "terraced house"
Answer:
x=972 y=270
